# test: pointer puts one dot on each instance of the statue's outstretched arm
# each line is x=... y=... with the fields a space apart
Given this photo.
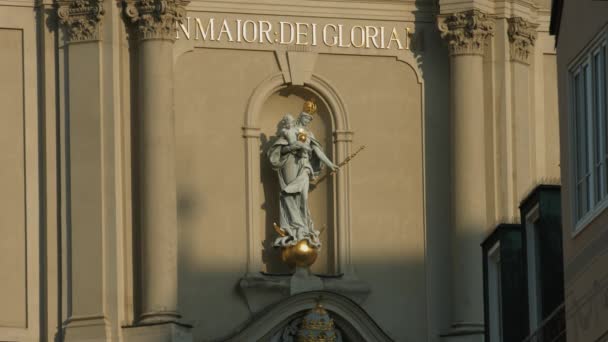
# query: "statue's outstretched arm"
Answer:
x=324 y=158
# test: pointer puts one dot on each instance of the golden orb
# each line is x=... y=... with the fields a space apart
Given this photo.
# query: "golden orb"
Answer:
x=299 y=255
x=302 y=136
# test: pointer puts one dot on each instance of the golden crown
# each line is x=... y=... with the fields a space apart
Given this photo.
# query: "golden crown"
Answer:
x=310 y=107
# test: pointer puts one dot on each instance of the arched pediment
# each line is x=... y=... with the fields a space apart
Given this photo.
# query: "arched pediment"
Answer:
x=316 y=84
x=354 y=323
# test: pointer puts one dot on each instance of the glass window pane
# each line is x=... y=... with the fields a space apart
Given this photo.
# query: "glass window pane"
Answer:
x=605 y=125
x=586 y=202
x=598 y=123
x=589 y=101
x=583 y=199
x=589 y=133
x=577 y=125
x=581 y=126
x=584 y=120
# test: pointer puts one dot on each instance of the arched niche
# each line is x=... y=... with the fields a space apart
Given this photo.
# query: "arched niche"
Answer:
x=329 y=206
x=290 y=99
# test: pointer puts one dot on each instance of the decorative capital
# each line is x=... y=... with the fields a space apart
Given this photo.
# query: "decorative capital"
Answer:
x=81 y=18
x=155 y=19
x=522 y=35
x=466 y=32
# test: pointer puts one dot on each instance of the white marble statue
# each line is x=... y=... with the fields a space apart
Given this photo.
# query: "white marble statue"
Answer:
x=297 y=157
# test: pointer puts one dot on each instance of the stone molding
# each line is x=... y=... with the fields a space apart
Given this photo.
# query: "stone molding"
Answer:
x=81 y=18
x=466 y=32
x=354 y=321
x=522 y=35
x=154 y=19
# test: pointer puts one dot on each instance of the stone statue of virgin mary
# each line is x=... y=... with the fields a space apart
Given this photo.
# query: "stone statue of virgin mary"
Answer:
x=298 y=158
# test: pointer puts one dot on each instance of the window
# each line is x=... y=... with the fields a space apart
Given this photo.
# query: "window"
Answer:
x=588 y=94
x=495 y=294
x=533 y=263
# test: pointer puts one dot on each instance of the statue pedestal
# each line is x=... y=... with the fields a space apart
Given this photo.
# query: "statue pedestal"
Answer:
x=262 y=290
x=304 y=281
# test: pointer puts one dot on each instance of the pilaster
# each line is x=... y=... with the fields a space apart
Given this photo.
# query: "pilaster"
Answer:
x=522 y=36
x=252 y=156
x=466 y=34
x=86 y=171
x=151 y=26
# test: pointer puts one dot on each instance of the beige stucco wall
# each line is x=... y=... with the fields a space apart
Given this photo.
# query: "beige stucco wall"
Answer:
x=213 y=87
x=585 y=257
x=387 y=192
x=20 y=198
x=212 y=90
x=13 y=182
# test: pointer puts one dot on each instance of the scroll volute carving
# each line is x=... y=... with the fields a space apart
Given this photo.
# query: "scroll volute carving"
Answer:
x=82 y=19
x=154 y=19
x=522 y=36
x=466 y=32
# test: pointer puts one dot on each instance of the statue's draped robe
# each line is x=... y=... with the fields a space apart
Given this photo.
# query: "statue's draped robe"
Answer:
x=295 y=169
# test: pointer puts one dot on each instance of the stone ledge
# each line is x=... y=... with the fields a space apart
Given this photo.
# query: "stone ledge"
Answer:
x=158 y=332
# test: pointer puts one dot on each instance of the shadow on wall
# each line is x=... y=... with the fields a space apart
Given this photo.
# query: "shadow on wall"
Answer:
x=432 y=58
x=210 y=298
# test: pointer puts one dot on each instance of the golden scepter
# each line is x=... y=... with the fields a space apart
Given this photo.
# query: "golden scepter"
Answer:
x=344 y=162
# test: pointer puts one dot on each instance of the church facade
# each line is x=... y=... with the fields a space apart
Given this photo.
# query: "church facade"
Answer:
x=139 y=201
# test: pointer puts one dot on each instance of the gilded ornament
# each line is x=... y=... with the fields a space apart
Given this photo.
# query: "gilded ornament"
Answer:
x=317 y=326
x=310 y=107
x=302 y=254
x=278 y=229
x=302 y=136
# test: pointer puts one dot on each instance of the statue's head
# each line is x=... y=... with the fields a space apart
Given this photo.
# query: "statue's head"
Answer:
x=304 y=119
x=308 y=110
x=287 y=121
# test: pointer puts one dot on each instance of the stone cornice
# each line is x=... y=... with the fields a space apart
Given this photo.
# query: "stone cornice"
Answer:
x=522 y=35
x=82 y=19
x=154 y=19
x=399 y=11
x=466 y=32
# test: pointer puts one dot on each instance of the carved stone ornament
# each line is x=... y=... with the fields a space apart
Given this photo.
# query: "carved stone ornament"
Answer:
x=315 y=326
x=466 y=32
x=155 y=19
x=81 y=18
x=522 y=35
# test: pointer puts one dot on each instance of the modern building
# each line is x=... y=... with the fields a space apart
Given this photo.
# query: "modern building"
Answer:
x=524 y=275
x=138 y=201
x=581 y=31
